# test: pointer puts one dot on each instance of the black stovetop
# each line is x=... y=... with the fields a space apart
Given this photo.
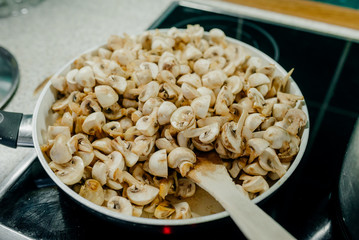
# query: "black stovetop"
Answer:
x=306 y=205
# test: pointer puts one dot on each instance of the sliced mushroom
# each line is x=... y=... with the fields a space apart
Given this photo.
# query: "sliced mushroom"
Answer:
x=255 y=147
x=181 y=158
x=151 y=90
x=253 y=121
x=99 y=172
x=120 y=204
x=158 y=163
x=70 y=172
x=121 y=146
x=214 y=79
x=148 y=125
x=143 y=146
x=200 y=105
x=142 y=195
x=85 y=77
x=232 y=134
x=255 y=184
x=182 y=211
x=294 y=119
x=206 y=134
x=113 y=129
x=93 y=191
x=93 y=123
x=53 y=131
x=115 y=164
x=269 y=161
x=288 y=98
x=186 y=188
x=164 y=210
x=105 y=95
x=255 y=169
x=183 y=118
x=192 y=79
x=277 y=137
x=103 y=144
x=165 y=111
x=59 y=152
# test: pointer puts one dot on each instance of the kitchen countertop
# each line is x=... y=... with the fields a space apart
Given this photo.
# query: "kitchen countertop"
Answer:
x=54 y=32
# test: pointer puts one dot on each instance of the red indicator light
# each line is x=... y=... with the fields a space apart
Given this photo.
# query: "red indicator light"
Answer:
x=166 y=230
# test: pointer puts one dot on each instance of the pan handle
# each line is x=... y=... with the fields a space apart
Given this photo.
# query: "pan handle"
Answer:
x=15 y=129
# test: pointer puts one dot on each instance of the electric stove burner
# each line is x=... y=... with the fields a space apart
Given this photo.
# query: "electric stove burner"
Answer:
x=9 y=76
x=237 y=28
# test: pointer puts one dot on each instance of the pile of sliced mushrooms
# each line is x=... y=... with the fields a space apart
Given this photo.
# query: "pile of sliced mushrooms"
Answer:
x=131 y=116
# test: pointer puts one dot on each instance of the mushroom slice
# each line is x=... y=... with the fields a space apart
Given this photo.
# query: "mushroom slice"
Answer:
x=255 y=184
x=204 y=147
x=152 y=67
x=253 y=121
x=120 y=204
x=70 y=172
x=93 y=123
x=288 y=98
x=206 y=91
x=214 y=79
x=89 y=105
x=255 y=169
x=257 y=79
x=166 y=186
x=59 y=152
x=201 y=66
x=295 y=119
x=118 y=83
x=142 y=195
x=164 y=210
x=269 y=161
x=53 y=131
x=186 y=188
x=143 y=146
x=158 y=163
x=214 y=119
x=86 y=157
x=148 y=125
x=99 y=172
x=255 y=147
x=206 y=134
x=93 y=191
x=151 y=90
x=192 y=79
x=105 y=95
x=279 y=110
x=231 y=135
x=103 y=144
x=115 y=164
x=200 y=105
x=235 y=83
x=224 y=99
x=113 y=129
x=183 y=118
x=182 y=211
x=169 y=62
x=165 y=111
x=121 y=146
x=181 y=158
x=85 y=77
x=277 y=137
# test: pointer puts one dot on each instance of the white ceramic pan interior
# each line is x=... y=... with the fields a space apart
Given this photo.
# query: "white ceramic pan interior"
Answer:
x=43 y=117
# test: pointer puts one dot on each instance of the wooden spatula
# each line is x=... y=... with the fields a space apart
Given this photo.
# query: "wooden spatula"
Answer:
x=210 y=174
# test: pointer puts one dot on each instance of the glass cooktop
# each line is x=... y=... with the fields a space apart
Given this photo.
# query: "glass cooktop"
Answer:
x=306 y=205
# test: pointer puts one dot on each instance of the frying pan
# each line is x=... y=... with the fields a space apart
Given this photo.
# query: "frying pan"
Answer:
x=15 y=127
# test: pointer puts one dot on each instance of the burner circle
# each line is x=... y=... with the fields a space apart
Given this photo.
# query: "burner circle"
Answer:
x=239 y=29
x=9 y=76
